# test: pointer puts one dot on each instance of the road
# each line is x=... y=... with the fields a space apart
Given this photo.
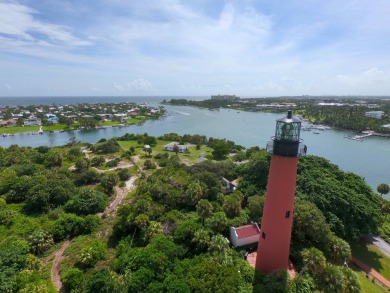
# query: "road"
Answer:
x=379 y=243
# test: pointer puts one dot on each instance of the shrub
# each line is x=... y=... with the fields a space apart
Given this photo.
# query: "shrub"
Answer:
x=124 y=174
x=112 y=163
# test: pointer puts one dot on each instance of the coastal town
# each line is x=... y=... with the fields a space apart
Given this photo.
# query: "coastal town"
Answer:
x=37 y=119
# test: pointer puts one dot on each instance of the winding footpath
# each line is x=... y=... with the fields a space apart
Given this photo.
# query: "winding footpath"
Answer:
x=111 y=209
x=55 y=269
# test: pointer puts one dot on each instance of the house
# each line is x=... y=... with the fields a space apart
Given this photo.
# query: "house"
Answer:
x=52 y=118
x=375 y=114
x=120 y=116
x=105 y=116
x=32 y=120
x=244 y=235
x=9 y=122
x=170 y=147
x=227 y=186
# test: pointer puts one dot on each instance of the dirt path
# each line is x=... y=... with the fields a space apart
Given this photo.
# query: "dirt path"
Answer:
x=121 y=192
x=110 y=211
x=55 y=269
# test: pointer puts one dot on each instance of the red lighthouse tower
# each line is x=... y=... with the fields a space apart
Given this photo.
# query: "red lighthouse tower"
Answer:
x=285 y=148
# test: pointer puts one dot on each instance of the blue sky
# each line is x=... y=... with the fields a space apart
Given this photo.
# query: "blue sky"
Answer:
x=194 y=47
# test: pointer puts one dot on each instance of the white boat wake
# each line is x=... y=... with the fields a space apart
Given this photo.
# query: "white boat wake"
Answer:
x=207 y=114
x=182 y=113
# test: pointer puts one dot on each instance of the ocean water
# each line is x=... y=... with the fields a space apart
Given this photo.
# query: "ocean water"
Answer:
x=63 y=100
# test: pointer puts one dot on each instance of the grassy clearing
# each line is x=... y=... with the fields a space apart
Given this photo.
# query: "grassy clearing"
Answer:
x=371 y=256
x=58 y=126
x=135 y=120
x=19 y=129
x=159 y=148
x=366 y=284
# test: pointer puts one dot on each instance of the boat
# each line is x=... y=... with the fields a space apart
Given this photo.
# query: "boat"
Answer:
x=5 y=134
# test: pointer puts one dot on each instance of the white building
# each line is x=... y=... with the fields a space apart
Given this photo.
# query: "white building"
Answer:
x=32 y=121
x=244 y=235
x=169 y=147
x=375 y=114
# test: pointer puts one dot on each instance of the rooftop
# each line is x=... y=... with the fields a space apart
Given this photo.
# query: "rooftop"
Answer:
x=247 y=230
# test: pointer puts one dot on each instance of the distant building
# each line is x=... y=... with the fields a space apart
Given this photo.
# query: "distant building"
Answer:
x=170 y=147
x=32 y=121
x=9 y=122
x=227 y=186
x=244 y=235
x=52 y=118
x=105 y=116
x=224 y=97
x=375 y=114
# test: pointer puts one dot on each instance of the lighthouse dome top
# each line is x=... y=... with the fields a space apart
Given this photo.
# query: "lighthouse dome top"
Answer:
x=289 y=118
x=286 y=141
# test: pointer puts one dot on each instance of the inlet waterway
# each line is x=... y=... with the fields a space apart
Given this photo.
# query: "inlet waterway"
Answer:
x=369 y=159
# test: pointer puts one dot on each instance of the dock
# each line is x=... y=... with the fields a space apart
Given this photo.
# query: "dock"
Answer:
x=365 y=134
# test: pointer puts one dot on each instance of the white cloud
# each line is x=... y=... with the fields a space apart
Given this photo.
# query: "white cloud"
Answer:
x=18 y=24
x=370 y=81
x=226 y=17
x=118 y=87
x=195 y=47
x=140 y=85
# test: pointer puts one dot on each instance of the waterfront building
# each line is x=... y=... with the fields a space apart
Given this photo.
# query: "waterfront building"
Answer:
x=274 y=243
x=375 y=114
x=224 y=97
x=32 y=120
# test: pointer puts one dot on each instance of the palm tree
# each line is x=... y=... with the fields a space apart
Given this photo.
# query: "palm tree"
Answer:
x=383 y=188
x=219 y=249
x=314 y=260
x=351 y=281
x=204 y=209
x=176 y=149
x=385 y=208
x=201 y=239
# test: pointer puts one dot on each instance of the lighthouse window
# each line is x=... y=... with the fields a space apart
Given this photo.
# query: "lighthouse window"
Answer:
x=288 y=214
x=263 y=235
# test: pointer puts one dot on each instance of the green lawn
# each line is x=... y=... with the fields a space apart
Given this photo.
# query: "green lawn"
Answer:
x=136 y=120
x=57 y=127
x=366 y=284
x=190 y=158
x=371 y=256
x=18 y=129
x=31 y=128
x=109 y=123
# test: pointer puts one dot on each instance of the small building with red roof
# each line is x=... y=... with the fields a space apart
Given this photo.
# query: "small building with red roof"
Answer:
x=244 y=235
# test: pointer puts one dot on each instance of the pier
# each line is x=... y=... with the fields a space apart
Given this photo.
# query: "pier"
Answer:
x=366 y=134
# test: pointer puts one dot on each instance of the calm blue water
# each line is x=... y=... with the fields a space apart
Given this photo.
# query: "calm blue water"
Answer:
x=369 y=159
